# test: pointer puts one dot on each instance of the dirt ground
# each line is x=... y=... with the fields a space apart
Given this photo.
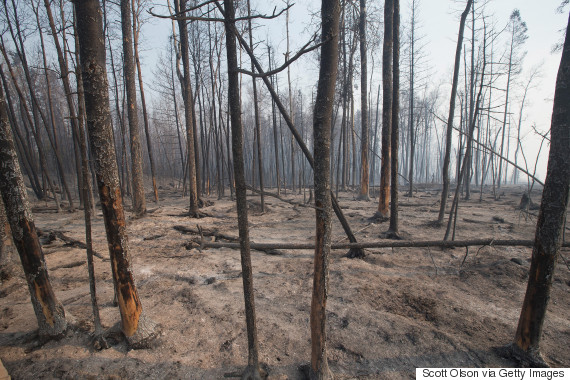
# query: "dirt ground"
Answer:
x=393 y=311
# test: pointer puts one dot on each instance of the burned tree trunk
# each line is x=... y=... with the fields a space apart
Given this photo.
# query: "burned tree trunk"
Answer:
x=447 y=156
x=550 y=223
x=384 y=197
x=140 y=331
x=330 y=13
x=364 y=169
x=253 y=371
x=188 y=110
x=395 y=133
x=139 y=202
x=49 y=311
x=136 y=31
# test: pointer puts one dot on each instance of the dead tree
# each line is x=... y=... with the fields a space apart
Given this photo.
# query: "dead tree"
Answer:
x=180 y=5
x=550 y=223
x=395 y=133
x=384 y=197
x=447 y=157
x=49 y=311
x=322 y=121
x=99 y=340
x=253 y=370
x=136 y=32
x=138 y=329
x=139 y=202
x=257 y=122
x=364 y=167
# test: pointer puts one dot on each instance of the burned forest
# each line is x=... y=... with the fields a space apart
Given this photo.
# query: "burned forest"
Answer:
x=283 y=190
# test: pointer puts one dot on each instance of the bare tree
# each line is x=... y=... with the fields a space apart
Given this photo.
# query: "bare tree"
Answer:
x=322 y=120
x=180 y=5
x=253 y=370
x=136 y=33
x=139 y=329
x=49 y=311
x=139 y=202
x=447 y=157
x=364 y=167
x=550 y=223
x=384 y=197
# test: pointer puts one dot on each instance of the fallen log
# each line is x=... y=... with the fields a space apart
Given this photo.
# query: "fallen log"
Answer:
x=380 y=244
x=69 y=241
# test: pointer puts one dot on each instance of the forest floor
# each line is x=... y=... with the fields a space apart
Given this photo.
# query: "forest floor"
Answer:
x=393 y=311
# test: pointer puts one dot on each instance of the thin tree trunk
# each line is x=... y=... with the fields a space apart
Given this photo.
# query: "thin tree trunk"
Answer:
x=257 y=122
x=330 y=14
x=393 y=229
x=139 y=202
x=188 y=111
x=446 y=160
x=143 y=101
x=384 y=198
x=252 y=371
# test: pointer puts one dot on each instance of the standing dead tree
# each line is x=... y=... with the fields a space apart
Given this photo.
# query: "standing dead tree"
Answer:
x=180 y=6
x=322 y=121
x=550 y=224
x=447 y=157
x=364 y=167
x=139 y=202
x=139 y=330
x=384 y=197
x=252 y=371
x=49 y=311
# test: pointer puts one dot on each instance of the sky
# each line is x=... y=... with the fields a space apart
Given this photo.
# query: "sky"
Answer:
x=439 y=22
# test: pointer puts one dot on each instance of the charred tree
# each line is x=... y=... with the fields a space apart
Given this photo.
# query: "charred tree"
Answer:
x=447 y=156
x=139 y=330
x=139 y=202
x=322 y=121
x=136 y=32
x=253 y=370
x=364 y=167
x=180 y=5
x=384 y=197
x=49 y=311
x=550 y=223
x=395 y=133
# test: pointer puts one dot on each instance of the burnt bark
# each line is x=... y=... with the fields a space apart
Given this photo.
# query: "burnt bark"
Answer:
x=447 y=157
x=395 y=133
x=49 y=311
x=364 y=135
x=136 y=31
x=138 y=329
x=550 y=223
x=384 y=197
x=253 y=370
x=139 y=202
x=322 y=121
x=188 y=110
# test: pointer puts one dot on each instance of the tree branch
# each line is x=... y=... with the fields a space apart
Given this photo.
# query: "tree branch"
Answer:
x=305 y=49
